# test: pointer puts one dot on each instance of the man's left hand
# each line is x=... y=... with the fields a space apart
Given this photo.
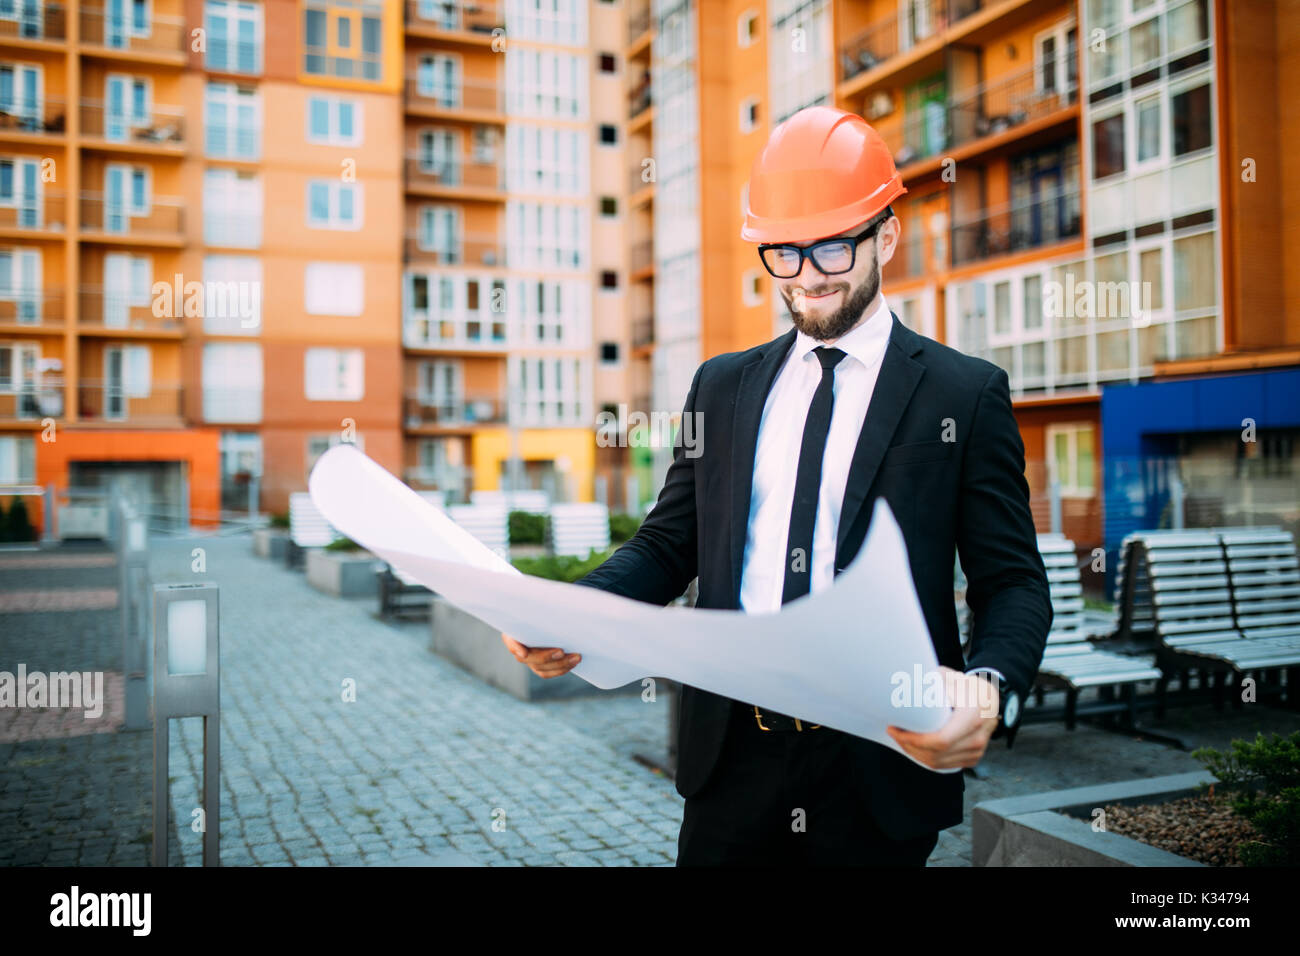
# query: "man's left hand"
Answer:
x=960 y=742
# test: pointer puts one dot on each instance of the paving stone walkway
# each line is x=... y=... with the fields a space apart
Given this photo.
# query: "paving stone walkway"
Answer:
x=426 y=765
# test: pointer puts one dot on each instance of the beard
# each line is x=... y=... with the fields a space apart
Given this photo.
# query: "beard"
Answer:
x=843 y=318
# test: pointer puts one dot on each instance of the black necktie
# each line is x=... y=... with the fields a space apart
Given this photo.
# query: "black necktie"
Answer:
x=808 y=480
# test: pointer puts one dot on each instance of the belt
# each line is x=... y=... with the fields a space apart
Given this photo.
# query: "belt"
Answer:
x=770 y=720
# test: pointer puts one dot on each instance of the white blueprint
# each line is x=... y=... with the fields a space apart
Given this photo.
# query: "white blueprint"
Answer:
x=848 y=657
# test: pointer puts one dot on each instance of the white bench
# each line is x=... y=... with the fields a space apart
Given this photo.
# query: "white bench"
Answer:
x=578 y=529
x=530 y=500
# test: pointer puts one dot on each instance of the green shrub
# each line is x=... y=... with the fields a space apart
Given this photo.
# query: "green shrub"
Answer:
x=527 y=528
x=561 y=567
x=1268 y=775
x=280 y=519
x=343 y=544
x=622 y=527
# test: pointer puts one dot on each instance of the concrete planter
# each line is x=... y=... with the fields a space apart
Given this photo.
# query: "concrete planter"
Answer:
x=1054 y=829
x=469 y=643
x=270 y=543
x=343 y=573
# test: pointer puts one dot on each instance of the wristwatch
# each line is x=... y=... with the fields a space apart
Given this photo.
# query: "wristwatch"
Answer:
x=1008 y=705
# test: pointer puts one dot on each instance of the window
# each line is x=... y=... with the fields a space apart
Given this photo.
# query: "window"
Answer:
x=127 y=374
x=20 y=283
x=747 y=28
x=609 y=353
x=1071 y=459
x=128 y=108
x=128 y=284
x=334 y=205
x=608 y=63
x=545 y=84
x=608 y=279
x=1146 y=116
x=17 y=457
x=1189 y=26
x=546 y=159
x=232 y=288
x=234 y=36
x=1190 y=111
x=233 y=121
x=334 y=375
x=1194 y=272
x=749 y=114
x=348 y=58
x=608 y=206
x=232 y=208
x=232 y=382
x=1108 y=146
x=318 y=445
x=438 y=77
x=333 y=288
x=20 y=190
x=333 y=121
x=440 y=232
x=751 y=287
x=608 y=134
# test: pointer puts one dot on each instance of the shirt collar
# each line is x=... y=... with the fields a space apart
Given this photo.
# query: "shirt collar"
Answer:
x=866 y=343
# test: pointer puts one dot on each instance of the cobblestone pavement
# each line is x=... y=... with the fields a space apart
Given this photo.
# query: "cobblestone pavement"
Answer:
x=427 y=758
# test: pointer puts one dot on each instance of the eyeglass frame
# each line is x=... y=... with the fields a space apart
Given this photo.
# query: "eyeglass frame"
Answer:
x=807 y=252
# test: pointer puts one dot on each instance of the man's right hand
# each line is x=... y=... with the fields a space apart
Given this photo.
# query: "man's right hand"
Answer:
x=542 y=661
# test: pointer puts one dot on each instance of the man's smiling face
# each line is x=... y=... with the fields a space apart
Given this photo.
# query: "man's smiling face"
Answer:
x=825 y=307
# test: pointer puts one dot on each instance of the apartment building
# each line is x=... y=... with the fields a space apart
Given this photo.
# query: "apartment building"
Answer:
x=269 y=226
x=1085 y=208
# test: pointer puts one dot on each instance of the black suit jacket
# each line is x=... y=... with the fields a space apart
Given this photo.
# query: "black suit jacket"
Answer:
x=968 y=494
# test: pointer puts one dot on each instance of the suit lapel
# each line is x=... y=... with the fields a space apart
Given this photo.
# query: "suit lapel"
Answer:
x=898 y=378
x=756 y=380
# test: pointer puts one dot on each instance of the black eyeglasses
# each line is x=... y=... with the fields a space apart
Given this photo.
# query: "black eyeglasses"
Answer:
x=830 y=256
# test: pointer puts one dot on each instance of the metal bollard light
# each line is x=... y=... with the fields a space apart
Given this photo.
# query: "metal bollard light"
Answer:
x=132 y=556
x=186 y=623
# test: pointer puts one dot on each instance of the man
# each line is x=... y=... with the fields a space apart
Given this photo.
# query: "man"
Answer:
x=803 y=433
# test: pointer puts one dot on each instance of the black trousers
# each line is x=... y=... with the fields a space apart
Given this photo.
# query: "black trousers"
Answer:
x=787 y=799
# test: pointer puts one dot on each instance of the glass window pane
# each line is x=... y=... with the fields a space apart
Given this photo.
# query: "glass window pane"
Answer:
x=1148 y=129
x=1083 y=459
x=1194 y=338
x=1108 y=146
x=1194 y=284
x=320 y=118
x=1033 y=302
x=1002 y=307
x=1151 y=264
x=1191 y=120
x=1144 y=43
x=1189 y=25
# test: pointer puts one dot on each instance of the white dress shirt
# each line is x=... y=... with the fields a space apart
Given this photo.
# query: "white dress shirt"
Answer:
x=776 y=459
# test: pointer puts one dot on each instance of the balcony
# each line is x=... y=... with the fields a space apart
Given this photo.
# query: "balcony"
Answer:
x=638 y=21
x=45 y=21
x=1013 y=227
x=909 y=257
x=441 y=16
x=642 y=256
x=112 y=311
x=155 y=404
x=887 y=37
x=1003 y=104
x=40 y=116
x=429 y=174
x=436 y=97
x=160 y=222
x=42 y=213
x=430 y=411
x=158 y=38
x=639 y=98
x=469 y=250
x=455 y=331
x=643 y=333
x=165 y=126
x=636 y=181
x=32 y=308
x=30 y=402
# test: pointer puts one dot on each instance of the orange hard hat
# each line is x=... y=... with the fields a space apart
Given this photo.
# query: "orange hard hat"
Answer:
x=822 y=171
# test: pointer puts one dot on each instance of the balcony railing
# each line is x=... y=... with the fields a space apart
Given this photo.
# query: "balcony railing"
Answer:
x=639 y=99
x=457 y=95
x=429 y=171
x=888 y=36
x=47 y=114
x=162 y=34
x=457 y=331
x=112 y=309
x=471 y=249
x=99 y=401
x=1003 y=104
x=43 y=212
x=163 y=217
x=318 y=61
x=31 y=401
x=422 y=409
x=474 y=17
x=909 y=257
x=38 y=307
x=36 y=21
x=1011 y=227
x=165 y=125
x=643 y=332
x=642 y=255
x=638 y=20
